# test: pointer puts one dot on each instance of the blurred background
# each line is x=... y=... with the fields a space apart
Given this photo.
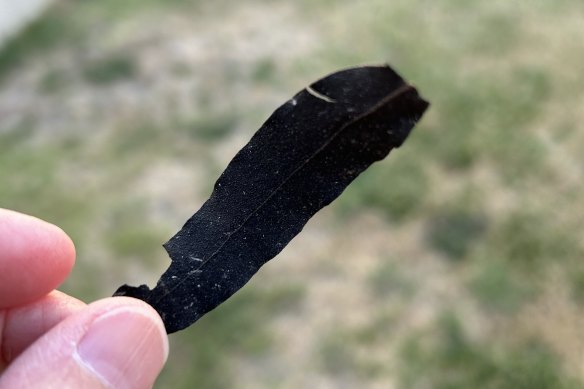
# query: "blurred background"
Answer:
x=454 y=263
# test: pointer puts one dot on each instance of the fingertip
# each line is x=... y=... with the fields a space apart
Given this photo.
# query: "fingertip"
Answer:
x=145 y=309
x=35 y=258
x=115 y=342
x=64 y=246
x=53 y=249
x=126 y=346
x=27 y=323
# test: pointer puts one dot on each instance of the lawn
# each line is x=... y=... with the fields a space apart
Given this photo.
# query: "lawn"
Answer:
x=455 y=263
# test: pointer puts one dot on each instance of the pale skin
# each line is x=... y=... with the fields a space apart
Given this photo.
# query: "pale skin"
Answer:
x=51 y=340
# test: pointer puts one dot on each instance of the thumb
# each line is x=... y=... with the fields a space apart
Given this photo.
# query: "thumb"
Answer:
x=113 y=343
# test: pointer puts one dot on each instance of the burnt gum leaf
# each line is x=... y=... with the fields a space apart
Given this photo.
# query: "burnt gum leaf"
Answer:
x=302 y=158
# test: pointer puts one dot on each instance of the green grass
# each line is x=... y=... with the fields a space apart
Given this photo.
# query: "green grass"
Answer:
x=86 y=280
x=140 y=242
x=130 y=235
x=67 y=24
x=397 y=188
x=387 y=280
x=135 y=138
x=283 y=299
x=111 y=69
x=495 y=86
x=450 y=359
x=453 y=139
x=239 y=327
x=513 y=109
x=32 y=181
x=577 y=286
x=338 y=357
x=264 y=70
x=453 y=232
x=211 y=127
x=52 y=30
x=497 y=289
x=200 y=353
x=480 y=119
x=528 y=241
x=345 y=352
x=377 y=330
x=54 y=81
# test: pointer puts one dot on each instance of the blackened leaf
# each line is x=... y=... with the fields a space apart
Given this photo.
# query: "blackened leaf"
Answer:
x=300 y=160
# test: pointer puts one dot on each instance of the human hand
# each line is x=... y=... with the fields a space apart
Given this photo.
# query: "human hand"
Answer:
x=51 y=340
